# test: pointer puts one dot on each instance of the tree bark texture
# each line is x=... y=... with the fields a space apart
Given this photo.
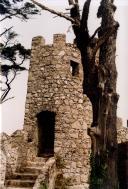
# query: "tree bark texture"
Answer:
x=109 y=98
x=99 y=84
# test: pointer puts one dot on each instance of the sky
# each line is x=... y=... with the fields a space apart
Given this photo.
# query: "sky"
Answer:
x=46 y=24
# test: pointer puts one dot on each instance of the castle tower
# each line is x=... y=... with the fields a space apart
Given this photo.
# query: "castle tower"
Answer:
x=57 y=113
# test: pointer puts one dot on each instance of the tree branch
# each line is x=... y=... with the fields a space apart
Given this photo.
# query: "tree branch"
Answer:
x=6 y=90
x=84 y=19
x=92 y=37
x=8 y=86
x=75 y=14
x=109 y=31
x=6 y=31
x=71 y=2
x=54 y=12
x=9 y=16
x=7 y=99
x=74 y=10
x=24 y=57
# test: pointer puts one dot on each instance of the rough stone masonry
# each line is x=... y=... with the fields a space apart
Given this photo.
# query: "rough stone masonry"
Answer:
x=55 y=85
x=57 y=114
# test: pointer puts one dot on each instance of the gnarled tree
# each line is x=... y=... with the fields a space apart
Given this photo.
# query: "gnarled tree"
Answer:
x=99 y=84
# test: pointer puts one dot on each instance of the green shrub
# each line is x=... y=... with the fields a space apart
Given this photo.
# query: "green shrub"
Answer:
x=98 y=170
x=43 y=186
x=61 y=182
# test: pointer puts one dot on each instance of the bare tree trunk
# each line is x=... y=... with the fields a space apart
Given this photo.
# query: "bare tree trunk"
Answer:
x=109 y=98
x=99 y=84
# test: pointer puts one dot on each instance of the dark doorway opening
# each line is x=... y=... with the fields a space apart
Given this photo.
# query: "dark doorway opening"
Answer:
x=74 y=68
x=46 y=133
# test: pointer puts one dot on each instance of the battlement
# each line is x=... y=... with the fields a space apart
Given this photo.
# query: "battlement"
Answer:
x=38 y=40
x=64 y=58
x=58 y=40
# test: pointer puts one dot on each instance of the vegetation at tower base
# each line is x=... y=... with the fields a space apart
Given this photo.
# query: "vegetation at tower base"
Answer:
x=98 y=173
x=61 y=182
x=43 y=186
x=12 y=53
x=99 y=82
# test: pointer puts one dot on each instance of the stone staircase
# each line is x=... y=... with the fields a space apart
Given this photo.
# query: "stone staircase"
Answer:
x=26 y=177
x=24 y=180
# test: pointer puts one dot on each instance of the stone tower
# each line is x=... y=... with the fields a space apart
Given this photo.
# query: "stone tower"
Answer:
x=57 y=113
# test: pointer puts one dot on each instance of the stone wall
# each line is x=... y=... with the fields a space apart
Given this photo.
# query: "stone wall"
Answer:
x=2 y=167
x=12 y=148
x=122 y=132
x=13 y=159
x=122 y=135
x=47 y=176
x=55 y=85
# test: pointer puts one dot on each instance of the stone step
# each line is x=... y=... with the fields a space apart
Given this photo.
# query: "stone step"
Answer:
x=32 y=170
x=38 y=159
x=19 y=183
x=13 y=187
x=24 y=176
x=36 y=164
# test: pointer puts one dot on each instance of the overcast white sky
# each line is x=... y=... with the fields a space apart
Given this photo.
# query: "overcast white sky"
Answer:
x=12 y=111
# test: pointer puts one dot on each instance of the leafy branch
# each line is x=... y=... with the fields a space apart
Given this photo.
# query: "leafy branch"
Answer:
x=11 y=52
x=23 y=12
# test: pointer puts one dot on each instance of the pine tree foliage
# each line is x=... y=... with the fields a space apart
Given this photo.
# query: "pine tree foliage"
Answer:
x=13 y=54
